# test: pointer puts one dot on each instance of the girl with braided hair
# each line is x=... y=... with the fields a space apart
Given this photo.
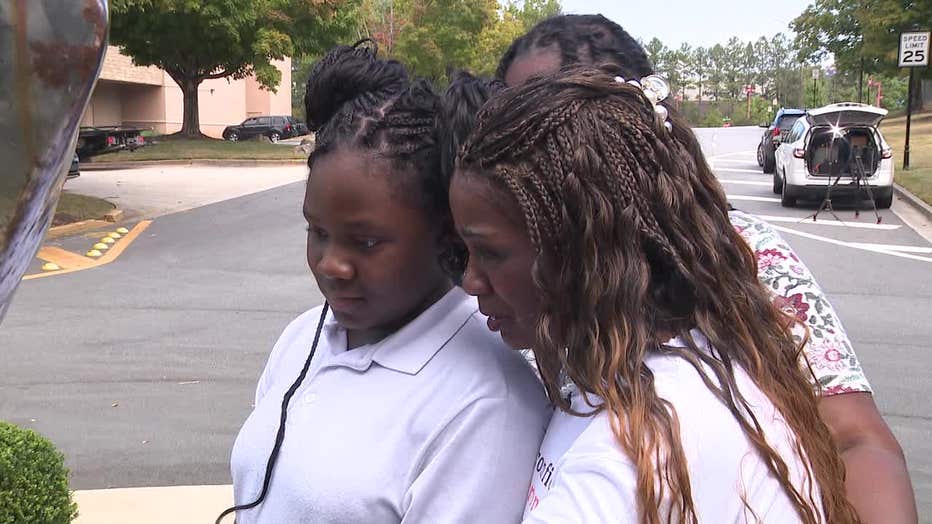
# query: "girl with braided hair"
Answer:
x=392 y=402
x=601 y=239
x=877 y=478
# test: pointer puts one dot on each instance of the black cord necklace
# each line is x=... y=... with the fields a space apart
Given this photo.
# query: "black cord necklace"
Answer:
x=280 y=437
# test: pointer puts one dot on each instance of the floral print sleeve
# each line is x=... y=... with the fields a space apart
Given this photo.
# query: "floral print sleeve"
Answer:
x=795 y=290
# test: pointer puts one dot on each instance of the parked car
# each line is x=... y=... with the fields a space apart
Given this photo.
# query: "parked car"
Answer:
x=837 y=145
x=298 y=128
x=94 y=141
x=776 y=132
x=74 y=171
x=274 y=127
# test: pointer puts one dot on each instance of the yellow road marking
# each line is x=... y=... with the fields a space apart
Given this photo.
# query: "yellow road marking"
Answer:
x=110 y=256
x=63 y=258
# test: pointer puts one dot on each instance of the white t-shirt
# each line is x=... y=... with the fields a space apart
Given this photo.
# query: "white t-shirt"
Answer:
x=439 y=422
x=583 y=476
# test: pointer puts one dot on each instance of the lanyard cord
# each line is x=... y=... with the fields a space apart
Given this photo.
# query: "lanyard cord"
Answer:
x=280 y=437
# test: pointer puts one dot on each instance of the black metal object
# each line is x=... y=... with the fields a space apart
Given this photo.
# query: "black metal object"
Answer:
x=50 y=57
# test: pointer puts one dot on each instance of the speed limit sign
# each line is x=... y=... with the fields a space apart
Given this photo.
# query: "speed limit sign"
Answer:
x=914 y=49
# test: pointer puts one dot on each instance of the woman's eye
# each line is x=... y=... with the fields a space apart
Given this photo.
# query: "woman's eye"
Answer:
x=368 y=243
x=486 y=254
x=316 y=232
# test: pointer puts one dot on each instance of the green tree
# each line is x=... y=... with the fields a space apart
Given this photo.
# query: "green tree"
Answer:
x=700 y=66
x=861 y=34
x=657 y=53
x=532 y=11
x=512 y=20
x=716 y=77
x=443 y=34
x=197 y=40
x=680 y=69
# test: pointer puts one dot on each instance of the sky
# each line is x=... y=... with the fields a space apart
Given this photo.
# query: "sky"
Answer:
x=698 y=22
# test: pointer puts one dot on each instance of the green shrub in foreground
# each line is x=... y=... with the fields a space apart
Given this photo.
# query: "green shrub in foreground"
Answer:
x=33 y=479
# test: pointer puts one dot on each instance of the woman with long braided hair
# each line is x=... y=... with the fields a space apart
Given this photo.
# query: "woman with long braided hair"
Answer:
x=392 y=402
x=599 y=237
x=877 y=478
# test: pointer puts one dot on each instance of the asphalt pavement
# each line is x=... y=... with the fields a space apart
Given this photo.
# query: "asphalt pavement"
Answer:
x=142 y=370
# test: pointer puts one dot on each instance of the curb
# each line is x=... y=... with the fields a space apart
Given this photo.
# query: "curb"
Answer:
x=913 y=201
x=111 y=166
x=76 y=228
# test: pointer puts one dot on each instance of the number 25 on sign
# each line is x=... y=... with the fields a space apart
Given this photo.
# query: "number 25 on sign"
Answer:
x=914 y=49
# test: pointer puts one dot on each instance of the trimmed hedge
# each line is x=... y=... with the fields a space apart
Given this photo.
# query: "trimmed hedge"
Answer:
x=33 y=479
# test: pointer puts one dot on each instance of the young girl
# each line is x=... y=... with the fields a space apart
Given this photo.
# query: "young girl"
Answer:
x=877 y=479
x=393 y=402
x=598 y=236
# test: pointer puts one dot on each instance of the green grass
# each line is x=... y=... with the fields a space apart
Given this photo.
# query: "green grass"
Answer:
x=73 y=207
x=170 y=148
x=918 y=179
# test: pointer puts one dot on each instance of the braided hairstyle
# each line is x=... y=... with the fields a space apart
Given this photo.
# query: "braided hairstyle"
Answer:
x=355 y=99
x=581 y=39
x=459 y=106
x=633 y=244
x=456 y=118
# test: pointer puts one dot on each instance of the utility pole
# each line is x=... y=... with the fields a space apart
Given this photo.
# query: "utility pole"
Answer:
x=861 y=80
x=913 y=53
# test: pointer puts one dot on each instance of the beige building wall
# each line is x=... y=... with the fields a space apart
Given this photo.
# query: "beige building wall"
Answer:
x=119 y=67
x=262 y=102
x=221 y=103
x=280 y=103
x=147 y=97
x=106 y=106
x=257 y=99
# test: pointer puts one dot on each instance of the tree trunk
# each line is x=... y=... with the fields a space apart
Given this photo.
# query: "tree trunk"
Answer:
x=191 y=122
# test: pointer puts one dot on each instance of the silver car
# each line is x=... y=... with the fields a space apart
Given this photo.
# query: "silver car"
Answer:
x=839 y=148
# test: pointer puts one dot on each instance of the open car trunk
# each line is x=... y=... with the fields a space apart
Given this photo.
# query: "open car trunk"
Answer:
x=833 y=152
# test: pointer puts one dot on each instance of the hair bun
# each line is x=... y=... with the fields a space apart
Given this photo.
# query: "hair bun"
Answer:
x=348 y=75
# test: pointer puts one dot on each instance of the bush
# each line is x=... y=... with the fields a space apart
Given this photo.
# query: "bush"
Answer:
x=33 y=479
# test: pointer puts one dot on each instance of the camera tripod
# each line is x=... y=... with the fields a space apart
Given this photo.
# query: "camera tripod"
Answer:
x=858 y=177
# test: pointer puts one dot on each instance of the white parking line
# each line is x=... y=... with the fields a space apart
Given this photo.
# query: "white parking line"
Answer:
x=752 y=198
x=893 y=247
x=828 y=222
x=864 y=247
x=736 y=153
x=734 y=170
x=747 y=160
x=745 y=182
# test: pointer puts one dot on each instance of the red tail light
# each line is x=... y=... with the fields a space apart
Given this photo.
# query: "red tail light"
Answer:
x=140 y=140
x=776 y=132
x=111 y=140
x=886 y=153
x=799 y=153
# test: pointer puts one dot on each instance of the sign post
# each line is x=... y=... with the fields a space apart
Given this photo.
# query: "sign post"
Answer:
x=914 y=52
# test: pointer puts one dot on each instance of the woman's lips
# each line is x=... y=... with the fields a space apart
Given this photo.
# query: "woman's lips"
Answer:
x=345 y=304
x=495 y=323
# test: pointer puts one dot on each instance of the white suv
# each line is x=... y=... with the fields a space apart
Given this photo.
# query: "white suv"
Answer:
x=835 y=146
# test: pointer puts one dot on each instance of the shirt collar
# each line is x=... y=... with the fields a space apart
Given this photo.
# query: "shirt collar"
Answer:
x=410 y=348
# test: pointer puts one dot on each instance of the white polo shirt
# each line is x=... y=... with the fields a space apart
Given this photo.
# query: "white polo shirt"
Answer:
x=439 y=422
x=583 y=476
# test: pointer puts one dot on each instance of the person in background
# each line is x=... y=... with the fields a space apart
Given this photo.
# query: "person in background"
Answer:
x=599 y=237
x=877 y=478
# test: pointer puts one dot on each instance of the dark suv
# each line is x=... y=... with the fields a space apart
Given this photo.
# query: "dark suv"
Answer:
x=273 y=127
x=775 y=133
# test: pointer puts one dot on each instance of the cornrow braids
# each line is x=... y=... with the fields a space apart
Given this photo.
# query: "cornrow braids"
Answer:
x=634 y=243
x=355 y=99
x=581 y=39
